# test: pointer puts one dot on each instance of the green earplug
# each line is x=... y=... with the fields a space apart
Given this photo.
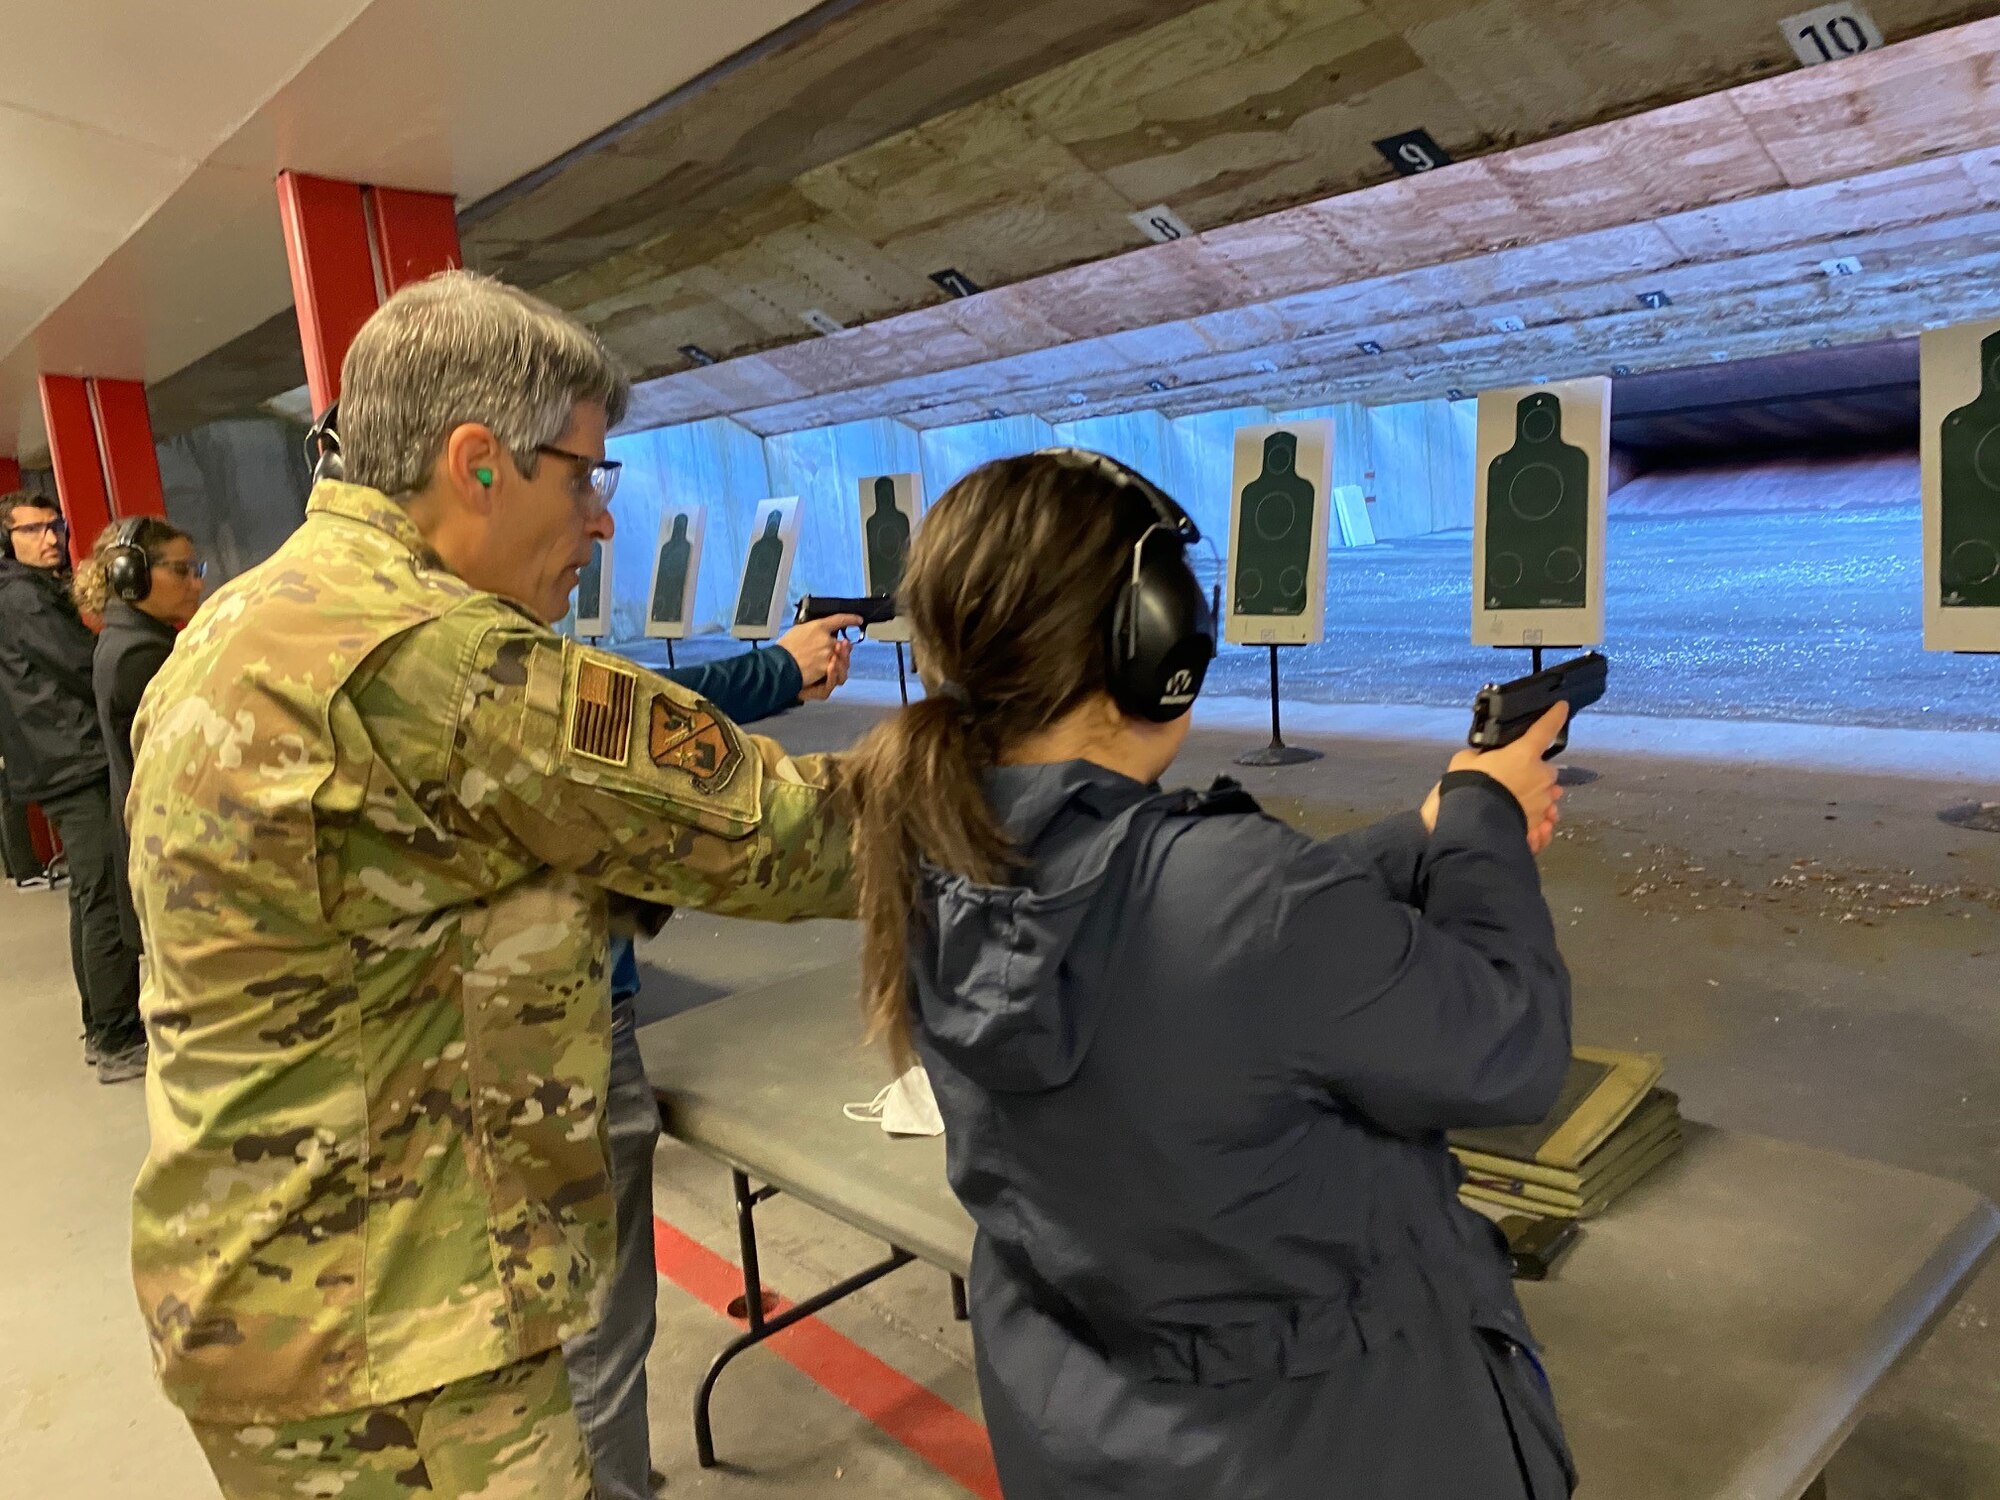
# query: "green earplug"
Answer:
x=484 y=476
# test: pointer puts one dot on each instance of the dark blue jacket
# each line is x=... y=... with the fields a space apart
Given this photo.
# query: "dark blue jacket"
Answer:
x=749 y=686
x=1195 y=1070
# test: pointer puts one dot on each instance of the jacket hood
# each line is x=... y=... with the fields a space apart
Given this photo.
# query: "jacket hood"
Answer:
x=1006 y=976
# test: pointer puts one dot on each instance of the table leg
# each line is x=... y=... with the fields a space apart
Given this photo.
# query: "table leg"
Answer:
x=958 y=1308
x=704 y=1437
x=746 y=1240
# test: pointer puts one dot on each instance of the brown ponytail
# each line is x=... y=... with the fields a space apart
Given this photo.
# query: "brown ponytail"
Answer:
x=1010 y=581
x=91 y=585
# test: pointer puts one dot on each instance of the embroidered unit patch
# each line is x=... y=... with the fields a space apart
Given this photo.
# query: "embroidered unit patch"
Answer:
x=694 y=740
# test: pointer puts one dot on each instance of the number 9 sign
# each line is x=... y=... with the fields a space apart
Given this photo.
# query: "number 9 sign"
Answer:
x=1413 y=152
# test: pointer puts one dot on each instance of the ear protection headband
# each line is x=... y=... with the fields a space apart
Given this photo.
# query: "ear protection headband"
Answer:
x=1160 y=634
x=127 y=569
x=323 y=445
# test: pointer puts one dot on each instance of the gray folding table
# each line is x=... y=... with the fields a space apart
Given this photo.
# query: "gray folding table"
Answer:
x=1715 y=1335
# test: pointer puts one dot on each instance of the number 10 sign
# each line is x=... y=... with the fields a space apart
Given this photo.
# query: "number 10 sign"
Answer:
x=1831 y=32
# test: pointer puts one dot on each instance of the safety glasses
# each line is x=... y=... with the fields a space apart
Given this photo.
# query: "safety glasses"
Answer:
x=595 y=480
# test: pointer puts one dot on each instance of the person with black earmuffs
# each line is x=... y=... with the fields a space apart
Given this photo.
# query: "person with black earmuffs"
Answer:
x=143 y=580
x=55 y=756
x=1195 y=1067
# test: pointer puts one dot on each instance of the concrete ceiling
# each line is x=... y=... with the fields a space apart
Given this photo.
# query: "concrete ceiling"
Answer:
x=1529 y=262
x=138 y=143
x=677 y=181
x=838 y=169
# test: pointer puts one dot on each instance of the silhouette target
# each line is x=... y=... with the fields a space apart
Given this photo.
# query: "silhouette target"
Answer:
x=1538 y=514
x=670 y=581
x=1275 y=535
x=760 y=574
x=888 y=540
x=1969 y=493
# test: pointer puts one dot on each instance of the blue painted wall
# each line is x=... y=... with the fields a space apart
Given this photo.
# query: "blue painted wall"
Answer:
x=1205 y=447
x=824 y=469
x=950 y=453
x=716 y=462
x=1414 y=459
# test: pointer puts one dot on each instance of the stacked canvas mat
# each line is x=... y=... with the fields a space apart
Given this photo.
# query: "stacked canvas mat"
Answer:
x=1611 y=1126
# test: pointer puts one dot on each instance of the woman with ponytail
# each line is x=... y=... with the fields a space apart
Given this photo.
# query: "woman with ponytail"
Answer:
x=1196 y=1068
x=143 y=580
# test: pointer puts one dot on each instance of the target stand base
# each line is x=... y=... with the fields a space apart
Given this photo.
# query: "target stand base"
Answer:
x=1980 y=817
x=1278 y=753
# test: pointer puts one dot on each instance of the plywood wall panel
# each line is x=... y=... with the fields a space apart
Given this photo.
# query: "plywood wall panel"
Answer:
x=1932 y=96
x=1522 y=66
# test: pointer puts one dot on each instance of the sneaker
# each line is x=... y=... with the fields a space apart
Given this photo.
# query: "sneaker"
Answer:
x=92 y=1053
x=117 y=1067
x=35 y=883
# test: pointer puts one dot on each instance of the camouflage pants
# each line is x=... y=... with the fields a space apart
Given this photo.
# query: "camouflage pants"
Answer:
x=509 y=1435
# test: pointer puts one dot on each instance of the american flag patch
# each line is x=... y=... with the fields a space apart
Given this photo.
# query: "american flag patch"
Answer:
x=600 y=714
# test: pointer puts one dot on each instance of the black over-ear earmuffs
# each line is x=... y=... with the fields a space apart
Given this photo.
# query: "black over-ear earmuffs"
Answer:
x=127 y=569
x=323 y=445
x=1160 y=635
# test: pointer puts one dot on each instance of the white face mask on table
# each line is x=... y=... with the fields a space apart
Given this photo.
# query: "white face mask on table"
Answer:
x=904 y=1107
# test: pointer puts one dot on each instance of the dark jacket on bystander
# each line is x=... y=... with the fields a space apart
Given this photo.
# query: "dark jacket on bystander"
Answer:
x=48 y=729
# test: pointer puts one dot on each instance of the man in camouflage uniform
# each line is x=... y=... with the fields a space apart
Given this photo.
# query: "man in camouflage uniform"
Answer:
x=377 y=810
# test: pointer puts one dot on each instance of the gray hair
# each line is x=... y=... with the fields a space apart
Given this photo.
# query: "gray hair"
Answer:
x=457 y=348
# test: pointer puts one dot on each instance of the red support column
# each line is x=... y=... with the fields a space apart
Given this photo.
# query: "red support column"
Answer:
x=125 y=437
x=333 y=276
x=10 y=475
x=86 y=504
x=416 y=235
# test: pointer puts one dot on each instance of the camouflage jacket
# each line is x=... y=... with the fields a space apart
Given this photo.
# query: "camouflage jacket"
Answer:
x=374 y=818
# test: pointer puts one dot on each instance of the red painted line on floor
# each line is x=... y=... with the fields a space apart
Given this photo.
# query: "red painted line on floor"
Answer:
x=936 y=1431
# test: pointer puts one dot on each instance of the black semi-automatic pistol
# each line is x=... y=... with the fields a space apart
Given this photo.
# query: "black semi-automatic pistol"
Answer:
x=874 y=609
x=1503 y=712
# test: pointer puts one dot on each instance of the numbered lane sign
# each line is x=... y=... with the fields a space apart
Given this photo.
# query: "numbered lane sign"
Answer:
x=1161 y=224
x=1412 y=152
x=1828 y=33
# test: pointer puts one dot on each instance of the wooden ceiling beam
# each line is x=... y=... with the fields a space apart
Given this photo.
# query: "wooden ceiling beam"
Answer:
x=1717 y=171
x=1434 y=323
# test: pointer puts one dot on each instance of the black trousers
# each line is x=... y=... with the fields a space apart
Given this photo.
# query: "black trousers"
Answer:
x=17 y=841
x=106 y=962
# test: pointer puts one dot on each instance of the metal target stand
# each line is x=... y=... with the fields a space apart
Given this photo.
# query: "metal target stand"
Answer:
x=1277 y=753
x=1566 y=775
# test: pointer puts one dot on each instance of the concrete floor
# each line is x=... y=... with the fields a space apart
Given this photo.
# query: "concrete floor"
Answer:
x=1815 y=954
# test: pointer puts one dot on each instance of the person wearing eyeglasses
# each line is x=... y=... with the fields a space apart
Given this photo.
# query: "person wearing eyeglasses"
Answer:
x=143 y=580
x=379 y=813
x=55 y=756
